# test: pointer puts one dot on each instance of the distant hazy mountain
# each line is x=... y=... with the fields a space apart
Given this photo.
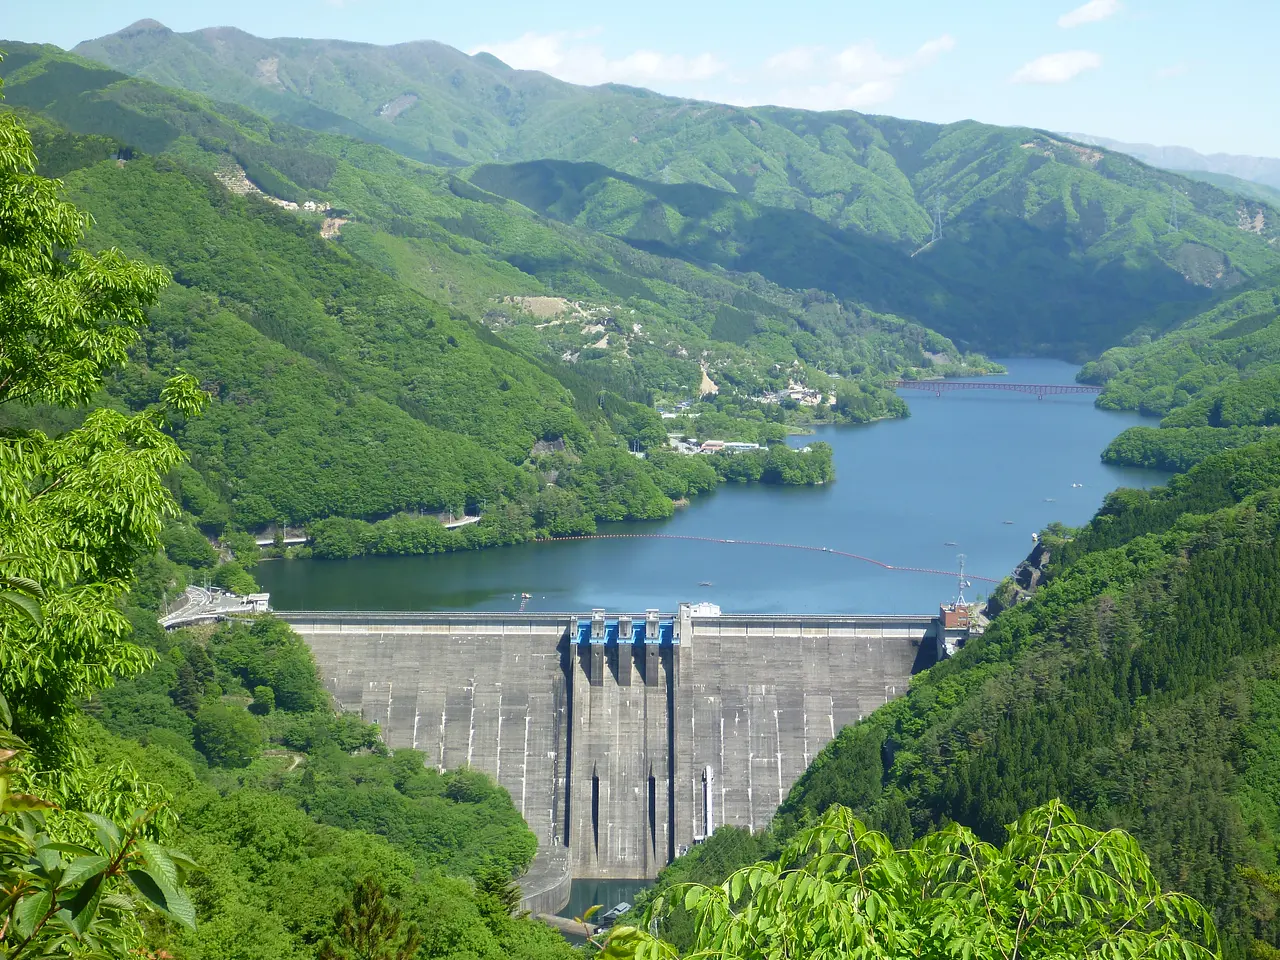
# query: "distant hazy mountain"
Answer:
x=1265 y=170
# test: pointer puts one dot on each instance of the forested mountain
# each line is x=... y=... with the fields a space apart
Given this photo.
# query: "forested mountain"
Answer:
x=999 y=280
x=1214 y=380
x=1049 y=246
x=336 y=352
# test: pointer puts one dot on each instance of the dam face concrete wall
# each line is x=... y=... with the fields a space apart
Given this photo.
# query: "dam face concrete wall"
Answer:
x=760 y=696
x=624 y=739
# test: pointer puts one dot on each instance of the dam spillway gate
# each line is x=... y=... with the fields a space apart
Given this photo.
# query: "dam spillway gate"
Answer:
x=622 y=739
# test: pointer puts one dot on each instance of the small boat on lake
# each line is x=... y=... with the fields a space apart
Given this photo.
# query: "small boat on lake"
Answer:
x=951 y=543
x=704 y=583
x=1007 y=523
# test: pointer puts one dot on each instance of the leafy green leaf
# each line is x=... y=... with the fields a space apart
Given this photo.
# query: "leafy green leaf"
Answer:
x=80 y=869
x=174 y=903
x=83 y=908
x=107 y=831
x=31 y=911
x=146 y=885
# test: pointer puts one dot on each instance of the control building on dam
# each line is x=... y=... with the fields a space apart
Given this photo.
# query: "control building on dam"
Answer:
x=622 y=739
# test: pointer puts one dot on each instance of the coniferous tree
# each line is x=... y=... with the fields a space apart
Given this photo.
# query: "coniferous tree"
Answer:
x=370 y=927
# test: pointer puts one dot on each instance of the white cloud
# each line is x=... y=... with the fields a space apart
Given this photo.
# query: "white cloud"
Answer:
x=1057 y=67
x=815 y=77
x=797 y=60
x=1173 y=70
x=1090 y=12
x=569 y=57
x=836 y=95
x=930 y=49
x=863 y=62
x=855 y=78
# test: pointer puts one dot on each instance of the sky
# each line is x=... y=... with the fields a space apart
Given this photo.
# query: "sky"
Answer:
x=1190 y=73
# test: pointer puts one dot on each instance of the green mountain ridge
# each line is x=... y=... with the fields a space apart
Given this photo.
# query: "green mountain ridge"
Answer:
x=1049 y=246
x=1245 y=188
x=989 y=280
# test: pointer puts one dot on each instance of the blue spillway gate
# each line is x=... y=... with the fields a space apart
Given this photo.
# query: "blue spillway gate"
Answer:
x=639 y=633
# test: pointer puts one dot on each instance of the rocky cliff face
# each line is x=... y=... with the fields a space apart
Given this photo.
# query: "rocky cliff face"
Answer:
x=1027 y=576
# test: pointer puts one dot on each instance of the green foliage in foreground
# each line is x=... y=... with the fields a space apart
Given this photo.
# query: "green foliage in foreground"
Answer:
x=73 y=507
x=1055 y=888
x=66 y=894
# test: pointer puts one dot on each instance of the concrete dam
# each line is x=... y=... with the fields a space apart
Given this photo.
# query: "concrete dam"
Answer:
x=622 y=739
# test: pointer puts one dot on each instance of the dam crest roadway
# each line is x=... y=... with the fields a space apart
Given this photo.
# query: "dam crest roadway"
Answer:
x=626 y=738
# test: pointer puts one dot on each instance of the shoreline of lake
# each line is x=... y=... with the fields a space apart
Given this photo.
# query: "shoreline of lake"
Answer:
x=951 y=472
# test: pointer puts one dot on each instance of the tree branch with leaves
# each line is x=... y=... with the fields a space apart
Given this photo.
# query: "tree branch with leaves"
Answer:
x=1057 y=888
x=75 y=509
x=64 y=899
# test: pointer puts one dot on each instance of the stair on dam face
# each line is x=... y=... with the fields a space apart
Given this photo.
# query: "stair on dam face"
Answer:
x=609 y=744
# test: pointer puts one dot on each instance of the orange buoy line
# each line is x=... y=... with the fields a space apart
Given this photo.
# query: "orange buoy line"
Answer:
x=766 y=543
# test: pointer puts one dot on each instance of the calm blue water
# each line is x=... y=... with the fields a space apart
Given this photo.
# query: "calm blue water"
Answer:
x=954 y=472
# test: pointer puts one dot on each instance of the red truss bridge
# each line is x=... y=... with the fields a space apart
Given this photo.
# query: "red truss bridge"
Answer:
x=1038 y=390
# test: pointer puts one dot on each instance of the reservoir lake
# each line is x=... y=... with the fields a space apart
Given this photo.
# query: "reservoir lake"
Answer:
x=979 y=469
